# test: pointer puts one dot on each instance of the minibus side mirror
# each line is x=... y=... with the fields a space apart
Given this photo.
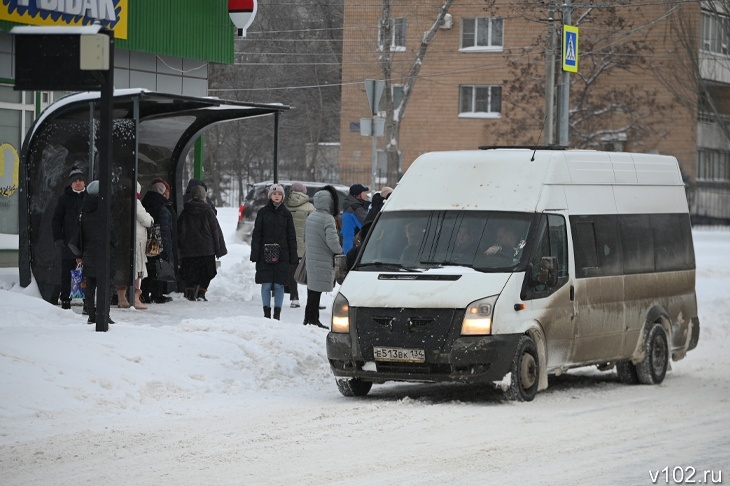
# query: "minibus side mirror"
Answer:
x=548 y=271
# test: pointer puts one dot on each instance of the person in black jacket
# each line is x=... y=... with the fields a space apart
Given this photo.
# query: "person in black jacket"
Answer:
x=274 y=228
x=64 y=224
x=200 y=242
x=156 y=202
x=87 y=240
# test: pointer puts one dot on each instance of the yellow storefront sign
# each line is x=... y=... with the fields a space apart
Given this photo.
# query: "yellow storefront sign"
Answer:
x=72 y=13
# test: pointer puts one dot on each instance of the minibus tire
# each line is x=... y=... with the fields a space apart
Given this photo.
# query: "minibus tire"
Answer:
x=354 y=387
x=525 y=372
x=626 y=371
x=653 y=368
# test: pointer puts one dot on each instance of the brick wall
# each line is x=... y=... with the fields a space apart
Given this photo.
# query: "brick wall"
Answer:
x=432 y=119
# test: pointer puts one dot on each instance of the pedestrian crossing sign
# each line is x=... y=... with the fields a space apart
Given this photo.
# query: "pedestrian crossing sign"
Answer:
x=570 y=48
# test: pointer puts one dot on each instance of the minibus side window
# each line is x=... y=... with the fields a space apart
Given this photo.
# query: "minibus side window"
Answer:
x=559 y=243
x=586 y=255
x=636 y=243
x=597 y=246
x=673 y=249
x=551 y=241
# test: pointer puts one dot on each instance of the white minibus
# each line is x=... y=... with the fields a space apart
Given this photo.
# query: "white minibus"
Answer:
x=509 y=265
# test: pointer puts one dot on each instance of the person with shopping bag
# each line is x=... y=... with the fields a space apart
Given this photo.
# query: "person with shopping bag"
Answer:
x=273 y=248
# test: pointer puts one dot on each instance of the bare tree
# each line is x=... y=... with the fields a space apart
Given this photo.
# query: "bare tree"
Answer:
x=291 y=55
x=615 y=42
x=394 y=115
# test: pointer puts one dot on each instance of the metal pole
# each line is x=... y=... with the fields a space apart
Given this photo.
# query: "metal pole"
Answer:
x=276 y=147
x=106 y=123
x=550 y=77
x=564 y=88
x=375 y=158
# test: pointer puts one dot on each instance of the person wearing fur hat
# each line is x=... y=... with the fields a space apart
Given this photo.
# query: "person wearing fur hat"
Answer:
x=156 y=202
x=322 y=244
x=200 y=242
x=300 y=208
x=64 y=225
x=273 y=248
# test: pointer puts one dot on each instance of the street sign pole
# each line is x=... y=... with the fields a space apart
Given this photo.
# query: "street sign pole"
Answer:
x=374 y=90
x=570 y=64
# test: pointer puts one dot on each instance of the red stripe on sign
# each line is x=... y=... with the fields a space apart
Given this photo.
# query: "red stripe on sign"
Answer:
x=240 y=5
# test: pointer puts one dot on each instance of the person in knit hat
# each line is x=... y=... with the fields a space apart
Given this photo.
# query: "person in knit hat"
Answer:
x=300 y=208
x=64 y=225
x=273 y=249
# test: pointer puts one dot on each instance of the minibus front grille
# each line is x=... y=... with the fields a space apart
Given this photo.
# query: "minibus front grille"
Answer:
x=428 y=329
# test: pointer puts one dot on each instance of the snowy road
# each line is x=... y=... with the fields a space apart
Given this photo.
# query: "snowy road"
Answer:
x=211 y=393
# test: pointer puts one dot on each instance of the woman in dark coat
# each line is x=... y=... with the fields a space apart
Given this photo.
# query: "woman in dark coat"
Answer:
x=87 y=241
x=274 y=225
x=157 y=204
x=200 y=243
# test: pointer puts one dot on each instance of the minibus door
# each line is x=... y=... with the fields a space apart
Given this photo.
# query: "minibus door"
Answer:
x=547 y=286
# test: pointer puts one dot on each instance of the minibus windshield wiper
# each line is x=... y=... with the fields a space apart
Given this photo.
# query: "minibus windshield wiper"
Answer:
x=394 y=266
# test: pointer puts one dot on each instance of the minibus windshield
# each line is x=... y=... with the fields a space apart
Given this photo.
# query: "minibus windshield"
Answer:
x=487 y=241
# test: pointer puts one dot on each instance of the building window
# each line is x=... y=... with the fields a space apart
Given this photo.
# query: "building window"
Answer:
x=482 y=34
x=715 y=38
x=397 y=35
x=713 y=165
x=480 y=101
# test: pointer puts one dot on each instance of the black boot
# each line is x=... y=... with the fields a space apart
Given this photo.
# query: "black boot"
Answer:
x=277 y=313
x=189 y=293
x=201 y=294
x=65 y=304
x=92 y=315
x=267 y=312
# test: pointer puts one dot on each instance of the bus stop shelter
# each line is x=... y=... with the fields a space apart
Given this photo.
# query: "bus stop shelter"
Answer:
x=152 y=134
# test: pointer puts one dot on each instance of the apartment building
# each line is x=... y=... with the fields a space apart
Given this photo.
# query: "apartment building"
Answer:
x=651 y=78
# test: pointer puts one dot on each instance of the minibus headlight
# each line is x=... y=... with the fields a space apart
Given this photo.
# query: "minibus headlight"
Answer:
x=341 y=314
x=478 y=317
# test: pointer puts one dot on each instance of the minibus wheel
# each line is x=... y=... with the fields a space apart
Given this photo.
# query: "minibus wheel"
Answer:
x=525 y=371
x=653 y=368
x=354 y=387
x=626 y=371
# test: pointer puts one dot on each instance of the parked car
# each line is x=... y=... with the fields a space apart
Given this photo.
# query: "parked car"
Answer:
x=257 y=198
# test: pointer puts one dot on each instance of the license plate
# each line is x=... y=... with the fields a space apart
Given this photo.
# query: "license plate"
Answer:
x=407 y=355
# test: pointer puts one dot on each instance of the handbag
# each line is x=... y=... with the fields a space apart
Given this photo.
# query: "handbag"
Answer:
x=78 y=284
x=154 y=241
x=340 y=263
x=300 y=274
x=271 y=253
x=163 y=270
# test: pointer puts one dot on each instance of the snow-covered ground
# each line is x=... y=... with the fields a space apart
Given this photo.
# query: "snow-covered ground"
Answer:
x=213 y=393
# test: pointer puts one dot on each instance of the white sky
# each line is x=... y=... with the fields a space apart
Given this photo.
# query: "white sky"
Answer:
x=213 y=393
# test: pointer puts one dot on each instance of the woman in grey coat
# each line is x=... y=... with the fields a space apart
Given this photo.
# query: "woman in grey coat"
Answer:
x=322 y=244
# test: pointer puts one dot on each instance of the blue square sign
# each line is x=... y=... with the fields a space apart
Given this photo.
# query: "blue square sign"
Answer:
x=570 y=48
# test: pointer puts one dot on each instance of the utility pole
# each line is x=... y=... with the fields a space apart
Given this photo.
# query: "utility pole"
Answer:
x=550 y=77
x=564 y=108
